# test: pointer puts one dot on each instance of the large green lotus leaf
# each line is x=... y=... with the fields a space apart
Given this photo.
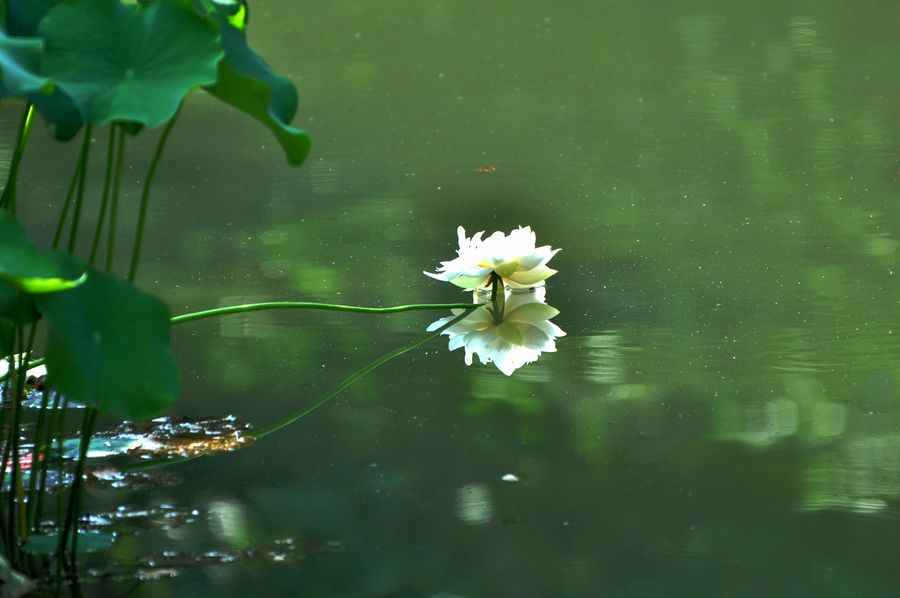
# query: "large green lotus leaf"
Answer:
x=108 y=346
x=26 y=268
x=20 y=76
x=20 y=61
x=8 y=296
x=247 y=83
x=17 y=306
x=283 y=98
x=23 y=16
x=60 y=113
x=132 y=62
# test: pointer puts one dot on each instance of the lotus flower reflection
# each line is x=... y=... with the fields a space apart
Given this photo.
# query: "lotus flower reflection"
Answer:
x=523 y=332
x=515 y=258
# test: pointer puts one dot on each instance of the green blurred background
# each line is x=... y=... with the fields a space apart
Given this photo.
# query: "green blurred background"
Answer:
x=723 y=418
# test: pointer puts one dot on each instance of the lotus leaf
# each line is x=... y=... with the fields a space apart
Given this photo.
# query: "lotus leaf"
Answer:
x=20 y=59
x=8 y=296
x=23 y=16
x=26 y=268
x=60 y=112
x=108 y=346
x=247 y=83
x=133 y=62
x=16 y=307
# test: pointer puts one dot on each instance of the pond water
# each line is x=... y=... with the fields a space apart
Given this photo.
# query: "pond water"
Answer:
x=723 y=416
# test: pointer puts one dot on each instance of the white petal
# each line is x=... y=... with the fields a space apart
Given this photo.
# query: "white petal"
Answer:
x=531 y=313
x=550 y=329
x=531 y=260
x=530 y=277
x=509 y=359
x=437 y=324
x=444 y=277
x=469 y=282
x=534 y=338
x=461 y=237
x=480 y=340
x=456 y=342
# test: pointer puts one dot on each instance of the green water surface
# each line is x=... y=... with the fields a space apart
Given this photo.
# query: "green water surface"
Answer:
x=723 y=418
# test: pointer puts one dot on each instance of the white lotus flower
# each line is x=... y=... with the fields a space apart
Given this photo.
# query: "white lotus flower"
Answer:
x=514 y=258
x=524 y=332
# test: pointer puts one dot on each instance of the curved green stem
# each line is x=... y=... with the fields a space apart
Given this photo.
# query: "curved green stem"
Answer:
x=344 y=385
x=16 y=526
x=349 y=380
x=8 y=198
x=249 y=307
x=46 y=450
x=74 y=506
x=237 y=309
x=104 y=199
x=145 y=199
x=73 y=184
x=498 y=298
x=79 y=195
x=11 y=454
x=114 y=200
x=38 y=457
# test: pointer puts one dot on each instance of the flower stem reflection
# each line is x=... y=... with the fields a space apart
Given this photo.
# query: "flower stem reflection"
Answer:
x=511 y=329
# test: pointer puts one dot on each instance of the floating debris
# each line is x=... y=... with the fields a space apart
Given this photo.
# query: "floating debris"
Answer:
x=171 y=437
x=110 y=477
x=474 y=504
x=169 y=564
x=484 y=169
x=88 y=541
x=130 y=520
x=161 y=437
x=510 y=477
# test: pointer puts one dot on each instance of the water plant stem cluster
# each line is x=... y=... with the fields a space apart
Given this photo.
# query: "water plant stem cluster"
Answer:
x=76 y=337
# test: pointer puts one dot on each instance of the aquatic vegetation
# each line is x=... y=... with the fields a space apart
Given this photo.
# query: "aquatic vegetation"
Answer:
x=103 y=344
x=79 y=64
x=515 y=258
x=506 y=274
